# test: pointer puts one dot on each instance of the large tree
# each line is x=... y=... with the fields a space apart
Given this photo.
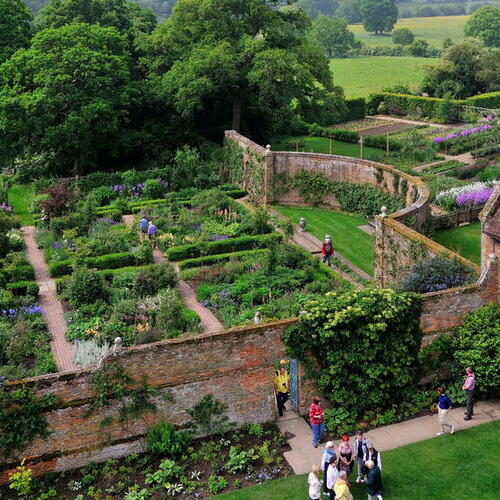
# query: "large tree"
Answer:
x=349 y=10
x=379 y=16
x=228 y=58
x=69 y=93
x=332 y=35
x=15 y=27
x=485 y=25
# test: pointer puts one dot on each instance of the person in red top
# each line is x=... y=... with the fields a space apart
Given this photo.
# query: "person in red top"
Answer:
x=469 y=387
x=327 y=250
x=317 y=421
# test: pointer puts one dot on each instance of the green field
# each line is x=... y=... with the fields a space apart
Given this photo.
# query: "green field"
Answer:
x=352 y=243
x=433 y=29
x=456 y=467
x=362 y=76
x=21 y=197
x=465 y=240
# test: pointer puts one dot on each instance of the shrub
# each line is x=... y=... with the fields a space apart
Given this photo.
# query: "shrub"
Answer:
x=211 y=200
x=446 y=111
x=164 y=440
x=402 y=36
x=102 y=195
x=490 y=100
x=151 y=279
x=214 y=259
x=61 y=197
x=490 y=173
x=85 y=287
x=87 y=354
x=356 y=107
x=153 y=189
x=373 y=335
x=477 y=344
x=20 y=273
x=437 y=273
x=24 y=288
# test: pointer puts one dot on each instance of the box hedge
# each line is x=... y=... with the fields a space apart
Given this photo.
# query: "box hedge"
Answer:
x=19 y=273
x=214 y=259
x=224 y=246
x=490 y=100
x=356 y=107
x=24 y=288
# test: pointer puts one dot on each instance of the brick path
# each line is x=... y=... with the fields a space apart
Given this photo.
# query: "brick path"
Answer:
x=208 y=319
x=48 y=301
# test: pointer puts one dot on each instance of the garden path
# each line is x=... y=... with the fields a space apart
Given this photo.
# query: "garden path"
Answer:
x=50 y=304
x=412 y=122
x=303 y=455
x=208 y=320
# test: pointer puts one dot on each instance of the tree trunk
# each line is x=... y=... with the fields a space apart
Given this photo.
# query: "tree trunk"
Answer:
x=76 y=166
x=236 y=112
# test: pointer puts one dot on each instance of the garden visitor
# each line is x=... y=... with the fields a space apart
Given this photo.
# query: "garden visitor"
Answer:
x=143 y=225
x=360 y=450
x=281 y=386
x=327 y=250
x=328 y=455
x=341 y=487
x=345 y=454
x=373 y=455
x=443 y=407
x=314 y=483
x=373 y=481
x=332 y=474
x=469 y=387
x=152 y=231
x=317 y=421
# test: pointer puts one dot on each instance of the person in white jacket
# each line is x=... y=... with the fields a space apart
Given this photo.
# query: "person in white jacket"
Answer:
x=328 y=453
x=332 y=475
x=314 y=483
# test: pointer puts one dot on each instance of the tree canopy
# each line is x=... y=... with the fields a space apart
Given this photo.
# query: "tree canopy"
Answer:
x=403 y=36
x=332 y=35
x=15 y=27
x=485 y=25
x=378 y=16
x=70 y=92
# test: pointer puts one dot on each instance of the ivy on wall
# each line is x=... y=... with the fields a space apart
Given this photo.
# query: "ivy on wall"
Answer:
x=233 y=161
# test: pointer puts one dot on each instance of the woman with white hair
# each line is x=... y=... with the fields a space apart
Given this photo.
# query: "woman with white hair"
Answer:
x=341 y=488
x=328 y=454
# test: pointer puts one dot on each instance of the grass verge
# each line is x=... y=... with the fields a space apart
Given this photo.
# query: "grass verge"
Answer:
x=465 y=240
x=20 y=198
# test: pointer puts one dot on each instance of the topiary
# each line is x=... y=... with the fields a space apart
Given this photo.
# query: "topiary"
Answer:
x=85 y=287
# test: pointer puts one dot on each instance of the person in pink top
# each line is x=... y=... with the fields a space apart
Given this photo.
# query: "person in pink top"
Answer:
x=317 y=421
x=469 y=387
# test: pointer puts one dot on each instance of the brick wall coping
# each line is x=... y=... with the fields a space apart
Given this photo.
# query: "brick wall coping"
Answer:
x=492 y=206
x=432 y=245
x=246 y=141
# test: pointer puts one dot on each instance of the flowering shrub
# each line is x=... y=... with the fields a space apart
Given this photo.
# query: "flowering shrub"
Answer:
x=477 y=192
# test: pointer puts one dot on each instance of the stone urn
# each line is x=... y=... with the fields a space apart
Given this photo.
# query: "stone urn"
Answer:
x=302 y=224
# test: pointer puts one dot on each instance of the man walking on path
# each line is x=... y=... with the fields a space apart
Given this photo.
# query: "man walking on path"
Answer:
x=152 y=232
x=373 y=481
x=327 y=250
x=443 y=407
x=143 y=225
x=469 y=387
x=360 y=450
x=316 y=419
x=281 y=386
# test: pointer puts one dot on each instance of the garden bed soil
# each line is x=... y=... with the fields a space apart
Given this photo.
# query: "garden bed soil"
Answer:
x=389 y=128
x=115 y=476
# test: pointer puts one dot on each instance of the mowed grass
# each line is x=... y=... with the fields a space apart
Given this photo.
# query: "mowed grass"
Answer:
x=362 y=76
x=451 y=467
x=465 y=240
x=20 y=198
x=352 y=243
x=433 y=29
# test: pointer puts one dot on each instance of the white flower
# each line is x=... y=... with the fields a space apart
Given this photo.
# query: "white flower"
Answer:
x=454 y=192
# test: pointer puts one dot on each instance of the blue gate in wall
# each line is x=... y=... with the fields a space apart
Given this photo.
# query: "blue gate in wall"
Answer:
x=294 y=384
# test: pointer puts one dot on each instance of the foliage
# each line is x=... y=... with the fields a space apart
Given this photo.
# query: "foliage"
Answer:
x=60 y=197
x=477 y=344
x=435 y=274
x=446 y=111
x=485 y=25
x=16 y=27
x=85 y=287
x=21 y=480
x=240 y=460
x=167 y=471
x=163 y=439
x=21 y=418
x=216 y=484
x=332 y=35
x=208 y=416
x=373 y=335
x=402 y=36
x=378 y=15
x=418 y=48
x=87 y=354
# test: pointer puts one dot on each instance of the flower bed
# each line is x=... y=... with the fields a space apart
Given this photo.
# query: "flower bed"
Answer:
x=476 y=193
x=463 y=140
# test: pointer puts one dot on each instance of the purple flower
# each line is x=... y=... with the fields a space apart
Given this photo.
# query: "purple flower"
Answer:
x=56 y=245
x=474 y=197
x=218 y=237
x=438 y=139
x=6 y=207
x=32 y=310
x=107 y=220
x=163 y=182
x=118 y=188
x=489 y=118
x=451 y=136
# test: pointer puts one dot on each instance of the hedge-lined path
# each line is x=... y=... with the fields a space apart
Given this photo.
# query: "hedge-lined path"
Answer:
x=208 y=319
x=412 y=122
x=303 y=455
x=53 y=312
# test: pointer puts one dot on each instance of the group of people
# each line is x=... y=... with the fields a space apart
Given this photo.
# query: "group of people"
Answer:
x=338 y=464
x=147 y=228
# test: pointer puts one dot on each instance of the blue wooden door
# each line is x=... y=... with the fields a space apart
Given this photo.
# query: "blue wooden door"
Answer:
x=294 y=384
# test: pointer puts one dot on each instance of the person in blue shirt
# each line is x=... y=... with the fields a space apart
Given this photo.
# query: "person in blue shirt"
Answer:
x=143 y=225
x=443 y=407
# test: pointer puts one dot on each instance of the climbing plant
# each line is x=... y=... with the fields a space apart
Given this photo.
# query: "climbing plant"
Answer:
x=233 y=161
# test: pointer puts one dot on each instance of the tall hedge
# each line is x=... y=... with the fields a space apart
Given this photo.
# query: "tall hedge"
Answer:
x=490 y=100
x=356 y=108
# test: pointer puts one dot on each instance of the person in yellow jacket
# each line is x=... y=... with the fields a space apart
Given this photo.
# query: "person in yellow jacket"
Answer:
x=341 y=488
x=281 y=386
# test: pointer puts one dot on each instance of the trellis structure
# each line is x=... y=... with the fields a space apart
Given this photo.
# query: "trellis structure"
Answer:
x=483 y=112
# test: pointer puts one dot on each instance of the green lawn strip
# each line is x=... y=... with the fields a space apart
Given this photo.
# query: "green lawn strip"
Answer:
x=352 y=243
x=362 y=76
x=445 y=468
x=20 y=198
x=465 y=240
x=433 y=29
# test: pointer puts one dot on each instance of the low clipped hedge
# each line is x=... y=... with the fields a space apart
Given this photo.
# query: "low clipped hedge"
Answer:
x=23 y=288
x=489 y=149
x=214 y=259
x=356 y=107
x=110 y=261
x=191 y=251
x=19 y=273
x=380 y=141
x=491 y=100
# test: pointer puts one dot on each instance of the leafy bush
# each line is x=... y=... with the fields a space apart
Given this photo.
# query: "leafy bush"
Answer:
x=208 y=416
x=490 y=173
x=356 y=108
x=24 y=289
x=153 y=189
x=477 y=344
x=87 y=354
x=20 y=273
x=402 y=36
x=372 y=336
x=163 y=439
x=151 y=279
x=211 y=200
x=85 y=287
x=240 y=460
x=214 y=259
x=103 y=195
x=435 y=274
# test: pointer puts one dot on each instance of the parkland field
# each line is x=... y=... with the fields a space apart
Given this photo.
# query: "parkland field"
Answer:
x=433 y=29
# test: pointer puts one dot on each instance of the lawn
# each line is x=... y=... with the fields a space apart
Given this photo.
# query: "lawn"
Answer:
x=352 y=243
x=20 y=198
x=362 y=76
x=433 y=29
x=465 y=240
x=456 y=467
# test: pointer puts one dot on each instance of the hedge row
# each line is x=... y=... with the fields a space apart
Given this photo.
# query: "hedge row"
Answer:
x=110 y=261
x=19 y=273
x=490 y=100
x=356 y=107
x=214 y=259
x=23 y=288
x=405 y=104
x=224 y=246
